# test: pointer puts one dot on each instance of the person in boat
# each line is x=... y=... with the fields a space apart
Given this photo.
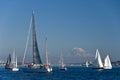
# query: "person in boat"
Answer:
x=30 y=65
x=33 y=66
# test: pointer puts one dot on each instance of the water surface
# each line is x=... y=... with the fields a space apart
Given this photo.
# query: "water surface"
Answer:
x=73 y=73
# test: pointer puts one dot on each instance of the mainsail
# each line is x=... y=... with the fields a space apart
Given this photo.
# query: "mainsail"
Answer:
x=13 y=58
x=98 y=61
x=8 y=63
x=36 y=55
x=37 y=65
x=107 y=63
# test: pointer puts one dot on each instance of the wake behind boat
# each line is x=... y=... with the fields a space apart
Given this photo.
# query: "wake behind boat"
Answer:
x=37 y=65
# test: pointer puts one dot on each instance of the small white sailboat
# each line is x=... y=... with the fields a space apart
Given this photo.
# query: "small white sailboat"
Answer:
x=107 y=63
x=98 y=62
x=47 y=65
x=14 y=62
x=62 y=65
x=86 y=64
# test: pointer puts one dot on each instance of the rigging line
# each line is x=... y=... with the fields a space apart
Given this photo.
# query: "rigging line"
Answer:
x=27 y=42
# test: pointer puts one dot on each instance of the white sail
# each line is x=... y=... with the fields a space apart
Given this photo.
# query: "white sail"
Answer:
x=62 y=65
x=98 y=61
x=47 y=66
x=86 y=63
x=107 y=63
x=13 y=59
x=14 y=62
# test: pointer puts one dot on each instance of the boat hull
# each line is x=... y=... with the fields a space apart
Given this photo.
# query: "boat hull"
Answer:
x=63 y=69
x=107 y=67
x=48 y=68
x=8 y=68
x=98 y=68
x=35 y=70
x=15 y=69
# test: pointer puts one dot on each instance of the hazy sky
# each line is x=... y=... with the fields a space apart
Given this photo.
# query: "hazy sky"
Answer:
x=77 y=27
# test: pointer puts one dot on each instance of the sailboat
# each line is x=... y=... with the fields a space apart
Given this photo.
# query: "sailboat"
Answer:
x=8 y=63
x=62 y=65
x=14 y=62
x=87 y=64
x=107 y=63
x=36 y=65
x=47 y=65
x=98 y=62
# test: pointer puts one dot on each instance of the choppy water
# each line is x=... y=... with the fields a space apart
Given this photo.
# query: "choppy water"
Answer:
x=73 y=73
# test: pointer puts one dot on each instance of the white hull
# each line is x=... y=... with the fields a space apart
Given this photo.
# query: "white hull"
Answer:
x=49 y=69
x=15 y=69
x=63 y=68
x=107 y=67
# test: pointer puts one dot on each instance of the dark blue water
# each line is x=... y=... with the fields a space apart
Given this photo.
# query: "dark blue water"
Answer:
x=73 y=73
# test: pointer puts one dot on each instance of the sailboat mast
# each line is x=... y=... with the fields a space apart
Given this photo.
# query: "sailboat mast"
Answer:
x=13 y=58
x=62 y=59
x=15 y=61
x=46 y=51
